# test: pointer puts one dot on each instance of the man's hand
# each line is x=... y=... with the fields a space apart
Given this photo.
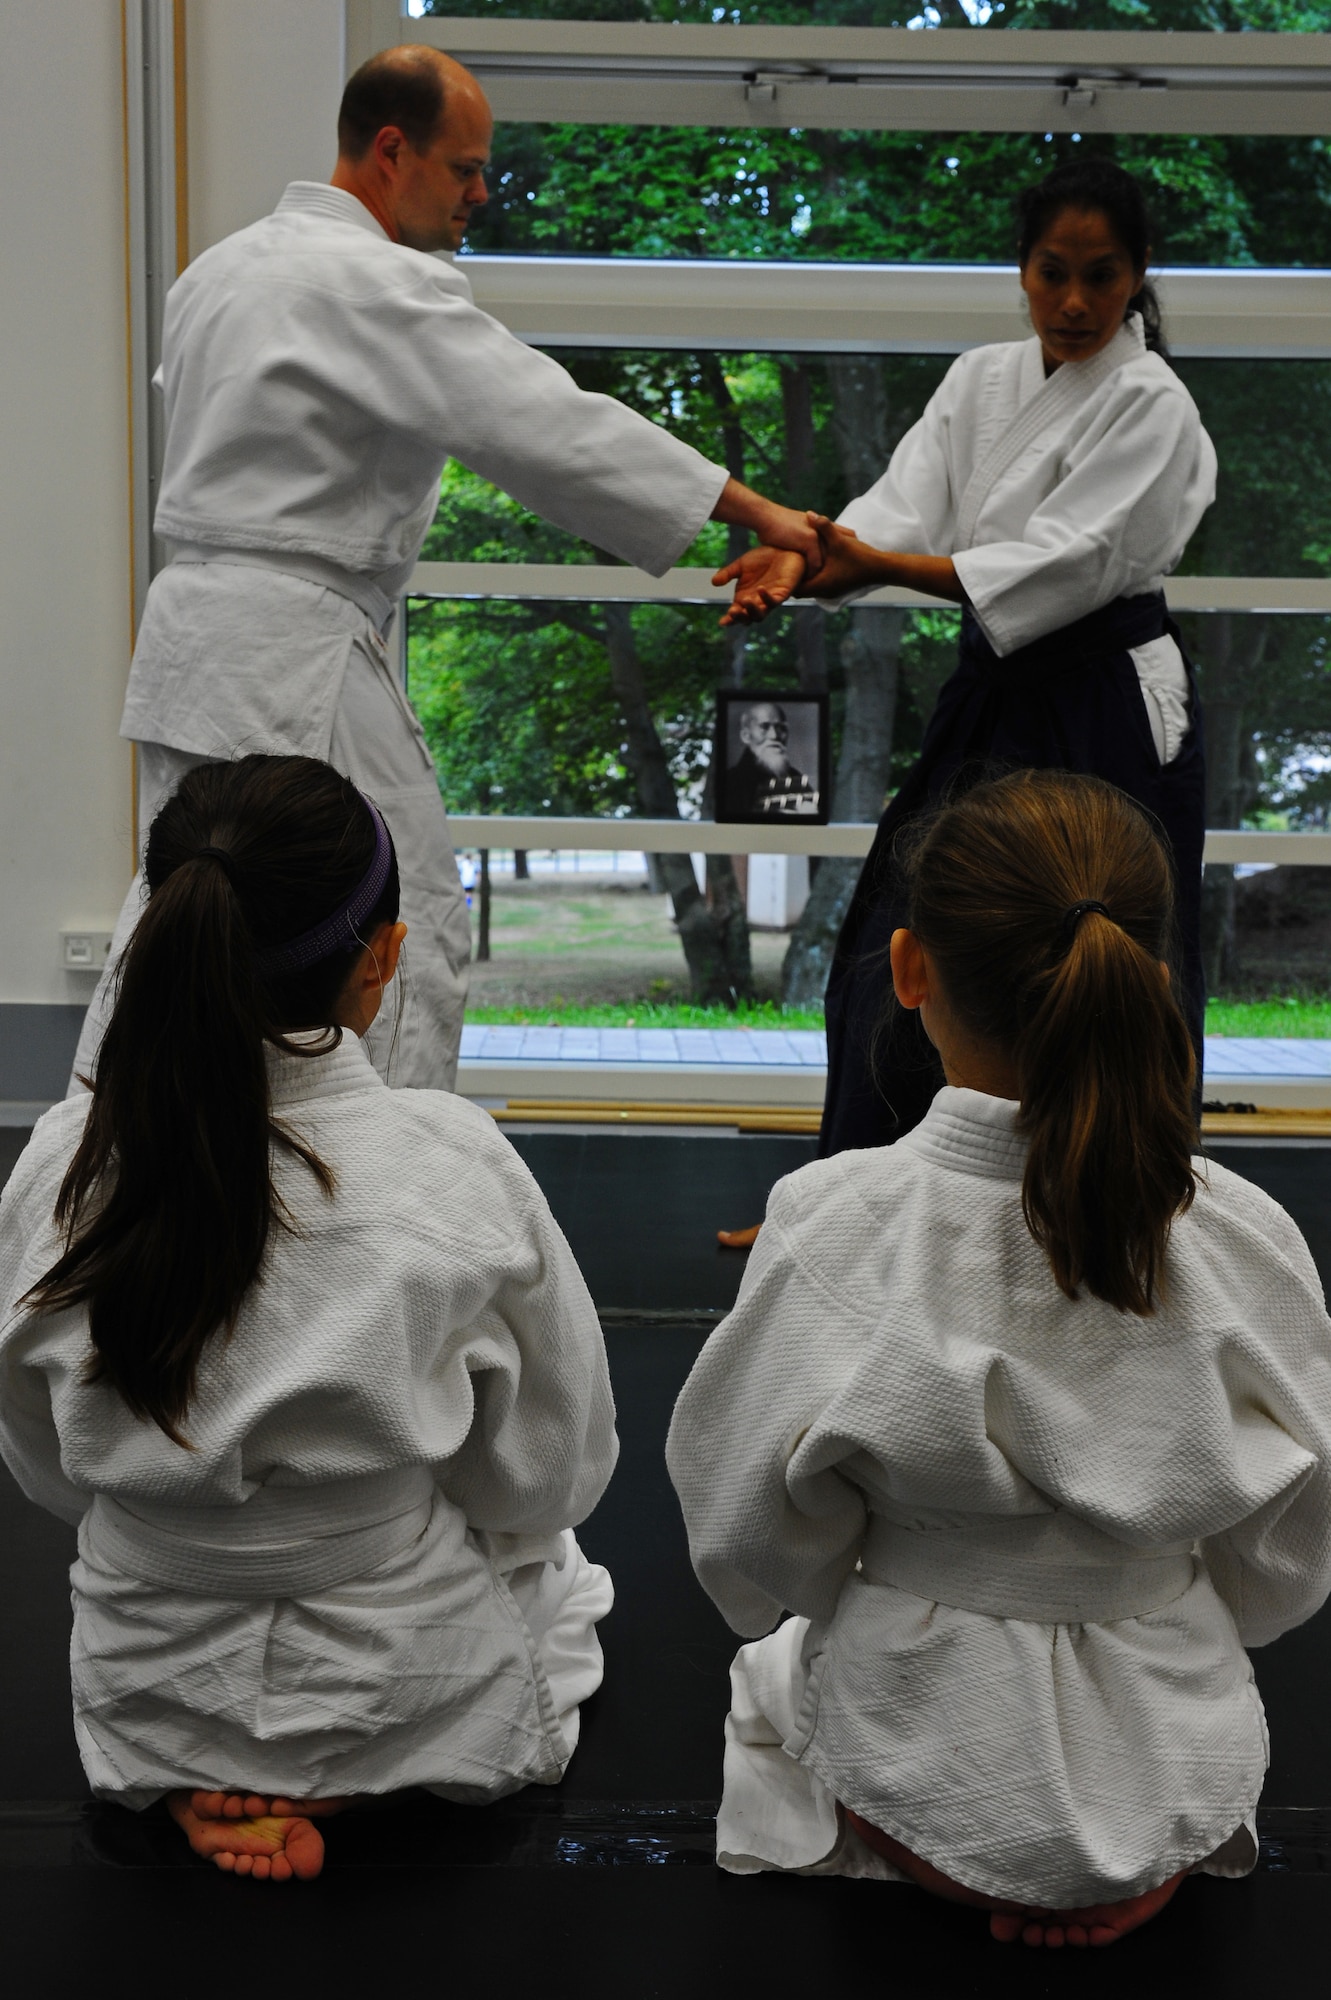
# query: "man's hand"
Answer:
x=763 y=578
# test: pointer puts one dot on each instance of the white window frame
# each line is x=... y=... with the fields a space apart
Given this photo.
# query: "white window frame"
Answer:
x=868 y=79
x=865 y=79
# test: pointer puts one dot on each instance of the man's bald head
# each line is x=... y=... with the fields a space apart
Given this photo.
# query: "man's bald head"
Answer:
x=413 y=140
x=407 y=87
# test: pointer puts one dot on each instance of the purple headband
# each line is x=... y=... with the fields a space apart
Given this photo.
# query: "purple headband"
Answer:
x=340 y=931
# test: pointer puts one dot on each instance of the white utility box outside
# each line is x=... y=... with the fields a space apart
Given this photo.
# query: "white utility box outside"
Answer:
x=778 y=890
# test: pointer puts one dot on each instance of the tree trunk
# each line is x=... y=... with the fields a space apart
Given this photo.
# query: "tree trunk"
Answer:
x=870 y=655
x=521 y=872
x=810 y=619
x=717 y=967
x=1234 y=644
x=737 y=537
x=483 y=935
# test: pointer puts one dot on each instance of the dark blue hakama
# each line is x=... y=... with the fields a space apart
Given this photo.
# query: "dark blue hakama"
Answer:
x=1071 y=701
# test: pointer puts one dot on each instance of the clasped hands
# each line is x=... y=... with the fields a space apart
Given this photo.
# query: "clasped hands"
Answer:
x=765 y=577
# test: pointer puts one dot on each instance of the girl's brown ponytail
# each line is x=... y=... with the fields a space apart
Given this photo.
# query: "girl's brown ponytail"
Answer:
x=1045 y=901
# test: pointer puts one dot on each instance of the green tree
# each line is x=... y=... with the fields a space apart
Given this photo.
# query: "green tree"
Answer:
x=816 y=429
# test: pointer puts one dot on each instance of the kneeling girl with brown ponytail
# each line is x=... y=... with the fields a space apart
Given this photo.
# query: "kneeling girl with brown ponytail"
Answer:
x=1026 y=1419
x=305 y=1359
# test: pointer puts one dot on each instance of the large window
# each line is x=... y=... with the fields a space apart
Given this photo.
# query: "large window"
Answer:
x=770 y=227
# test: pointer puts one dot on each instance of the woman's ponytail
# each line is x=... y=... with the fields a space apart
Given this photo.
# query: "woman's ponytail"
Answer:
x=168 y=1202
x=1045 y=901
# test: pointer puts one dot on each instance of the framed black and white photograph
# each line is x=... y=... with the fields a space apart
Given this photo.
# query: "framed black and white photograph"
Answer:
x=771 y=757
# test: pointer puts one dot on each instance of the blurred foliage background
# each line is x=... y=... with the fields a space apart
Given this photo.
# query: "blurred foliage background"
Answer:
x=562 y=708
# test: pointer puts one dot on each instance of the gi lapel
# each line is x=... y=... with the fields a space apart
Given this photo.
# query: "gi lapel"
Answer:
x=1051 y=405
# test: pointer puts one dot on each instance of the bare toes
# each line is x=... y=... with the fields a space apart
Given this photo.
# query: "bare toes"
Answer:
x=1005 y=1926
x=304 y=1850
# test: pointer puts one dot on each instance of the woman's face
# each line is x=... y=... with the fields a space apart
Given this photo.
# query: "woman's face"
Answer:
x=1078 y=280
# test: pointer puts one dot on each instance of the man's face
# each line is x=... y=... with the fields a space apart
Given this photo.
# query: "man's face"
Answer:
x=766 y=732
x=437 y=190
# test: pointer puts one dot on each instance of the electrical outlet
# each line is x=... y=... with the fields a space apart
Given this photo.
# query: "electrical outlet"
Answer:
x=84 y=951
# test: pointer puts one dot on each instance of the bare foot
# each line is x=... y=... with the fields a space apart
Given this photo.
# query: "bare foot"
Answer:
x=267 y=1846
x=738 y=1239
x=1098 y=1924
x=249 y=1805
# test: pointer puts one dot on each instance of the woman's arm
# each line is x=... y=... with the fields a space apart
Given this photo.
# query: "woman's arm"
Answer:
x=766 y=577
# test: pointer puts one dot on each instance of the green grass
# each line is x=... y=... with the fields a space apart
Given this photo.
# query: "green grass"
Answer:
x=648 y=1014
x=1291 y=1016
x=1294 y=1015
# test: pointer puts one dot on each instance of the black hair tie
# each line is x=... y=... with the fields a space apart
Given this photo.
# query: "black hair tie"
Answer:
x=225 y=861
x=1072 y=917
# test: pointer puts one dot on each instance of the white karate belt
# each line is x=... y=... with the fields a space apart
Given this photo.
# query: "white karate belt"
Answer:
x=362 y=591
x=1048 y=1569
x=284 y=1541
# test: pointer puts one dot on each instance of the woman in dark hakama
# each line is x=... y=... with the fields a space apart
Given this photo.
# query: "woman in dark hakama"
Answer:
x=1065 y=475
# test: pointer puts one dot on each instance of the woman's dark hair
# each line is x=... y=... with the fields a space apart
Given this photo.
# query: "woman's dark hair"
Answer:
x=1079 y=1002
x=169 y=1199
x=1097 y=185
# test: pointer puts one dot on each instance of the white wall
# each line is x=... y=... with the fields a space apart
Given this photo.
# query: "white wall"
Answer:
x=265 y=80
x=65 y=846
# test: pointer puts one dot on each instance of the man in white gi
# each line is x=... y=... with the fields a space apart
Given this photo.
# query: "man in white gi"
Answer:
x=318 y=370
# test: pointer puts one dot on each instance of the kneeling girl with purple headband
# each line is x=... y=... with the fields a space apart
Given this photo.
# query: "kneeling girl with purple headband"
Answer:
x=305 y=1359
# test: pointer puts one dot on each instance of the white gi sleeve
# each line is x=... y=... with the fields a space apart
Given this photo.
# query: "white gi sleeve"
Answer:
x=1273 y=1567
x=29 y=1443
x=910 y=510
x=1136 y=483
x=585 y=462
x=764 y=1539
x=541 y=1444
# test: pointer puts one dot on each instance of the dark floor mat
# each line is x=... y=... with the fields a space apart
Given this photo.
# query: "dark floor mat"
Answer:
x=619 y=1933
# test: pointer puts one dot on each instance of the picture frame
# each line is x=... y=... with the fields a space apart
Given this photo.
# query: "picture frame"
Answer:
x=772 y=769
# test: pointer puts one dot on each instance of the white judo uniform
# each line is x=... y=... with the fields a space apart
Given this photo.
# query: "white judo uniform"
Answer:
x=316 y=377
x=1026 y=1539
x=1054 y=495
x=363 y=1576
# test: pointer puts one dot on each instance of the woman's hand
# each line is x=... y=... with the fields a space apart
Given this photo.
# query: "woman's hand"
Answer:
x=848 y=563
x=763 y=578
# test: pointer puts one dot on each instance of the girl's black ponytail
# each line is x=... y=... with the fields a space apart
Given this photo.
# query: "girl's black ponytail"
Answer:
x=168 y=1202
